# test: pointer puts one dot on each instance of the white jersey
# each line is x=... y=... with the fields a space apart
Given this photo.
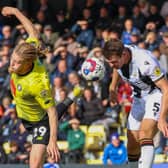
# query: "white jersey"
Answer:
x=142 y=71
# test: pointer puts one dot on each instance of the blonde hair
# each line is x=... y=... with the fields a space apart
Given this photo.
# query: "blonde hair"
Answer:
x=26 y=51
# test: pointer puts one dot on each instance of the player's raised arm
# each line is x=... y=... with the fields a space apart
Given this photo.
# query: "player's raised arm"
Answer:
x=28 y=25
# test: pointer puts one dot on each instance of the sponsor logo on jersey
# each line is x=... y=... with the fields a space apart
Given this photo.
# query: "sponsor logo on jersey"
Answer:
x=157 y=71
x=44 y=93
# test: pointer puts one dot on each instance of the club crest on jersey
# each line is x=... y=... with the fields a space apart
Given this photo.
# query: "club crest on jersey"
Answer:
x=44 y=93
x=157 y=71
x=19 y=87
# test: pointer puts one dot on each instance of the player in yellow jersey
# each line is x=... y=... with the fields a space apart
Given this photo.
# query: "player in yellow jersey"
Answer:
x=32 y=93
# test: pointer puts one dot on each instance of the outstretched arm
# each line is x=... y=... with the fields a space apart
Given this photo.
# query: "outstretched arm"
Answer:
x=28 y=25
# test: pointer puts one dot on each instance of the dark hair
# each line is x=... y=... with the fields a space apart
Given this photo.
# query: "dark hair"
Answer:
x=113 y=47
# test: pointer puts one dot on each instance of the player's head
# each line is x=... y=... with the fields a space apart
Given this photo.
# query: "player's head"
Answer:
x=22 y=58
x=113 y=52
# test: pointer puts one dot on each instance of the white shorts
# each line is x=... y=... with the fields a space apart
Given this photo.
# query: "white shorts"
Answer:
x=147 y=107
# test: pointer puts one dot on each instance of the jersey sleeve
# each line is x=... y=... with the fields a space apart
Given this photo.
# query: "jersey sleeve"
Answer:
x=150 y=67
x=34 y=41
x=42 y=92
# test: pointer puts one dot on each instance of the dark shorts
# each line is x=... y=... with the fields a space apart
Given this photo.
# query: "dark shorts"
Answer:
x=40 y=130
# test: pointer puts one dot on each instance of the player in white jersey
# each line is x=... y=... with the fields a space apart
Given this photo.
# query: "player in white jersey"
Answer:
x=150 y=91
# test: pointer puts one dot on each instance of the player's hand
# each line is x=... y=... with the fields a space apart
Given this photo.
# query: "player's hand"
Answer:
x=163 y=126
x=53 y=151
x=8 y=11
x=113 y=98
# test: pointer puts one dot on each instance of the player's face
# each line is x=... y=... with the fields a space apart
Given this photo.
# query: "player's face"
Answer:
x=17 y=64
x=115 y=61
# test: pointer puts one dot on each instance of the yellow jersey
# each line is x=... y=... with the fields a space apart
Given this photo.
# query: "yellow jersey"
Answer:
x=32 y=93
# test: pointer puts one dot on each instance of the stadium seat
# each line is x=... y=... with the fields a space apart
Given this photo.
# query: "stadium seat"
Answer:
x=6 y=147
x=166 y=159
x=95 y=138
x=94 y=162
x=84 y=128
x=159 y=158
x=97 y=130
x=62 y=145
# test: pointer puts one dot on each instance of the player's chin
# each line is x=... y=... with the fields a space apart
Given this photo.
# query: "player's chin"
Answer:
x=11 y=70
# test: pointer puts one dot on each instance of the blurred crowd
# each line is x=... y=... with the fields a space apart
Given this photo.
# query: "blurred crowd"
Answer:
x=68 y=35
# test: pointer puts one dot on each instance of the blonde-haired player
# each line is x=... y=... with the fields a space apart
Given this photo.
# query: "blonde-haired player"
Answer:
x=31 y=91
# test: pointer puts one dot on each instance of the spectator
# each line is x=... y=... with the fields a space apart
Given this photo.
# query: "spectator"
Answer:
x=163 y=11
x=149 y=27
x=164 y=52
x=5 y=104
x=120 y=18
x=57 y=86
x=76 y=141
x=115 y=153
x=151 y=41
x=85 y=35
x=50 y=163
x=19 y=34
x=49 y=37
x=41 y=18
x=93 y=6
x=74 y=80
x=105 y=35
x=138 y=18
x=154 y=16
x=164 y=28
x=61 y=53
x=12 y=128
x=114 y=34
x=104 y=19
x=81 y=56
x=86 y=15
x=98 y=37
x=45 y=8
x=72 y=44
x=13 y=156
x=61 y=71
x=3 y=156
x=111 y=7
x=126 y=34
x=72 y=12
x=144 y=7
x=92 y=111
x=61 y=23
x=135 y=37
x=7 y=35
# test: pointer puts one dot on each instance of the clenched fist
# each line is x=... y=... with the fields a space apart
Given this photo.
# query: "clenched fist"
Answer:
x=8 y=11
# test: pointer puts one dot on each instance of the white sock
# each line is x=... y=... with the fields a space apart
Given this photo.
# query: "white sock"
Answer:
x=133 y=164
x=147 y=156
